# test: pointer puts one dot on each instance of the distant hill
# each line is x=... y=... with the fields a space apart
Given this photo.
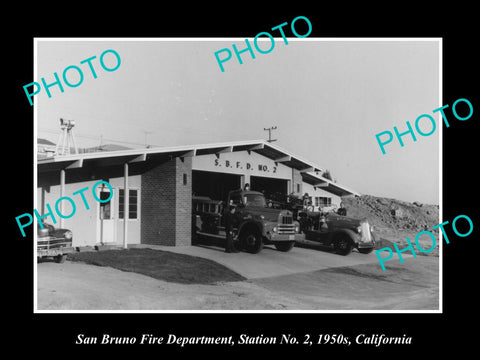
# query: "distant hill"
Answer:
x=394 y=220
x=102 y=148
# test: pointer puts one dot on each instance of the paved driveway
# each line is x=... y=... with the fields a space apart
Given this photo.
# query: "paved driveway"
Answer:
x=271 y=262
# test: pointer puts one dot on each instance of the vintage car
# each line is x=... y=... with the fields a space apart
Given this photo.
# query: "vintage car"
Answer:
x=52 y=242
x=339 y=231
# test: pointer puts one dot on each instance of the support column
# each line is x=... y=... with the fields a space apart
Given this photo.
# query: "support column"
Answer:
x=126 y=205
x=62 y=194
x=246 y=180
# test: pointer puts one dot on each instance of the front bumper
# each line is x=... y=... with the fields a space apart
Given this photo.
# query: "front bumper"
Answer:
x=55 y=252
x=282 y=237
x=367 y=244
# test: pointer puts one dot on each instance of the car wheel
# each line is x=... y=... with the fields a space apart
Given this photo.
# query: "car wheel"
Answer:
x=60 y=259
x=342 y=245
x=284 y=245
x=252 y=242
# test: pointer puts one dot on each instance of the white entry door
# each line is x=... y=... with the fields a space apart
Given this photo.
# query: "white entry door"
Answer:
x=106 y=217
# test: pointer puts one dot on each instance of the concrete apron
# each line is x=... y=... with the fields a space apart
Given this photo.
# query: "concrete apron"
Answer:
x=271 y=262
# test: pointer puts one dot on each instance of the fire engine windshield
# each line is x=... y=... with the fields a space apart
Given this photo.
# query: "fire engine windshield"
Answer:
x=254 y=200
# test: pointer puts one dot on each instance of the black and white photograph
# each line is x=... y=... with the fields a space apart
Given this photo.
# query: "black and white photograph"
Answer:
x=222 y=212
x=283 y=186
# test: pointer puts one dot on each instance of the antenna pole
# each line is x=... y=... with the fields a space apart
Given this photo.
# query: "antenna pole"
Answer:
x=270 y=129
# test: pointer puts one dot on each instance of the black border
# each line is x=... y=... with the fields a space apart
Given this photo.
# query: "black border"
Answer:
x=431 y=332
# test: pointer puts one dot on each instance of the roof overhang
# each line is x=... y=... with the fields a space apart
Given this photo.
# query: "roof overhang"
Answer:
x=327 y=185
x=262 y=147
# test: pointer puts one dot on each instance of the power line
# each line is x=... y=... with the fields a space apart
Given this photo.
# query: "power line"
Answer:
x=102 y=139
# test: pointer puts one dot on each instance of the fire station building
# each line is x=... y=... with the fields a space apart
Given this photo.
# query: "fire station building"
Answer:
x=153 y=188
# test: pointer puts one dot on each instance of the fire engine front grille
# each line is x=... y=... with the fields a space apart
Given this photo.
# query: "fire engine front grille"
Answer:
x=286 y=220
x=286 y=229
x=285 y=225
x=366 y=236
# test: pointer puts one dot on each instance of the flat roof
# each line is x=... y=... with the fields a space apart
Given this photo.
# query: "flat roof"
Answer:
x=262 y=147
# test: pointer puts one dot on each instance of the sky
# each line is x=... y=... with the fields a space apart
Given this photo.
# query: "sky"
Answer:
x=327 y=98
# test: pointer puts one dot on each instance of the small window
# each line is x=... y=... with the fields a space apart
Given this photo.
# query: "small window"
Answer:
x=324 y=201
x=184 y=179
x=132 y=204
x=298 y=188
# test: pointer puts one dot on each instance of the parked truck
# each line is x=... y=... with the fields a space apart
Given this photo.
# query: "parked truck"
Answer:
x=254 y=223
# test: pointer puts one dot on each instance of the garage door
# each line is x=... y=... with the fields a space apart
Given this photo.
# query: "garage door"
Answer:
x=213 y=184
x=274 y=189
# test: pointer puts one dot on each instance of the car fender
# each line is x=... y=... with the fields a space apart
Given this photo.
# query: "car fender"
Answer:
x=350 y=233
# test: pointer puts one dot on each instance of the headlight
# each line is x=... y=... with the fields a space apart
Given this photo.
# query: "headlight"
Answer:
x=359 y=229
x=297 y=228
x=68 y=235
x=275 y=229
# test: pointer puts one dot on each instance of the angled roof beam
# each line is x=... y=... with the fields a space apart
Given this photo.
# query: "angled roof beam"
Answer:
x=282 y=159
x=321 y=185
x=75 y=164
x=139 y=158
x=227 y=149
x=308 y=169
x=255 y=147
x=190 y=153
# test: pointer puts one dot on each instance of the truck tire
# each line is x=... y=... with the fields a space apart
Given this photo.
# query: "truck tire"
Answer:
x=252 y=242
x=60 y=259
x=342 y=244
x=284 y=246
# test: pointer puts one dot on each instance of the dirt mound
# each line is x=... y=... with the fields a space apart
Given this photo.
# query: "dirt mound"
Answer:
x=393 y=219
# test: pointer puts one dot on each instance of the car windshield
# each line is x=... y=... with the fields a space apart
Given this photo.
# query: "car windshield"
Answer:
x=254 y=200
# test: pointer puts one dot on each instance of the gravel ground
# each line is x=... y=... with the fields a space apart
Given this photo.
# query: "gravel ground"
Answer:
x=407 y=286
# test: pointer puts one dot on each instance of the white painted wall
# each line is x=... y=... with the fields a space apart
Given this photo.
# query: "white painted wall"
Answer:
x=242 y=163
x=85 y=222
x=313 y=192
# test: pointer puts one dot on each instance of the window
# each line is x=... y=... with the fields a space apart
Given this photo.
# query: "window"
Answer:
x=255 y=200
x=323 y=201
x=236 y=199
x=132 y=204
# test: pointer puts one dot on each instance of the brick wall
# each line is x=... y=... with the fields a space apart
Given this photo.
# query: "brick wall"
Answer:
x=183 y=207
x=166 y=204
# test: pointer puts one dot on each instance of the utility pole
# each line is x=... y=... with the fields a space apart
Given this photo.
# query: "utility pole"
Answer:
x=146 y=133
x=270 y=133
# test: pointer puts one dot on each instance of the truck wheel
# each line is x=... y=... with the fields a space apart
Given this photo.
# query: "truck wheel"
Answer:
x=365 y=250
x=252 y=242
x=342 y=244
x=284 y=245
x=60 y=259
